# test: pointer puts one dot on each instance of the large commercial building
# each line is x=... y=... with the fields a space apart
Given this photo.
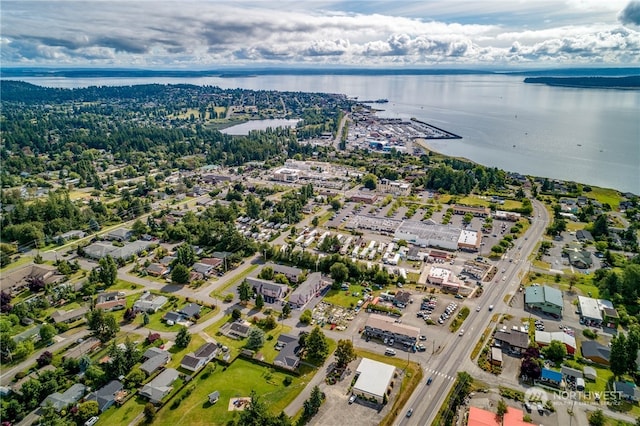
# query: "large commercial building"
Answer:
x=544 y=298
x=384 y=327
x=373 y=379
x=428 y=234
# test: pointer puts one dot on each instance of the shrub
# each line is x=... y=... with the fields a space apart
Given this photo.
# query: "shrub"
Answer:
x=287 y=381
x=589 y=334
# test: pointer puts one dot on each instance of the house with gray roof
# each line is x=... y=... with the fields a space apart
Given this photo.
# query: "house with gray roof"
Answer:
x=236 y=330
x=288 y=348
x=98 y=250
x=160 y=387
x=312 y=286
x=544 y=298
x=69 y=316
x=157 y=269
x=155 y=360
x=119 y=234
x=19 y=278
x=66 y=398
x=292 y=273
x=149 y=302
x=194 y=361
x=191 y=310
x=270 y=291
x=595 y=352
x=106 y=395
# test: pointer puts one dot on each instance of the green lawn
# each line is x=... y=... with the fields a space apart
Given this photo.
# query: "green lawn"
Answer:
x=269 y=349
x=582 y=283
x=123 y=415
x=124 y=285
x=23 y=260
x=178 y=353
x=605 y=195
x=237 y=380
x=344 y=298
x=219 y=293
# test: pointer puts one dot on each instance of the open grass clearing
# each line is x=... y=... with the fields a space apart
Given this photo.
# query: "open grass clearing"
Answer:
x=345 y=298
x=237 y=380
x=125 y=414
x=582 y=283
x=605 y=196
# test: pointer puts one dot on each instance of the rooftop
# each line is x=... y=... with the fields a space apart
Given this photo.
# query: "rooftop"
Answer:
x=374 y=377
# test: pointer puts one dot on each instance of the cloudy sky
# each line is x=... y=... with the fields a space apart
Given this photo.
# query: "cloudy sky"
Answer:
x=209 y=34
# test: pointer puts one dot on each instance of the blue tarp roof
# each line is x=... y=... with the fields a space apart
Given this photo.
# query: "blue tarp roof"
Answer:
x=553 y=376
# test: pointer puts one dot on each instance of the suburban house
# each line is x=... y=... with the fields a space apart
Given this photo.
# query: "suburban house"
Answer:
x=544 y=338
x=110 y=301
x=167 y=260
x=373 y=378
x=119 y=234
x=288 y=348
x=160 y=387
x=157 y=269
x=384 y=327
x=627 y=390
x=62 y=400
x=69 y=316
x=212 y=261
x=149 y=303
x=312 y=286
x=20 y=278
x=194 y=361
x=584 y=235
x=515 y=341
x=107 y=395
x=292 y=273
x=154 y=359
x=270 y=291
x=578 y=257
x=236 y=330
x=192 y=310
x=173 y=317
x=544 y=298
x=402 y=298
x=595 y=352
x=203 y=268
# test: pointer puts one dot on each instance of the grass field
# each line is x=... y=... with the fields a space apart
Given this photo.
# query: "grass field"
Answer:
x=581 y=283
x=237 y=380
x=344 y=298
x=123 y=415
x=22 y=260
x=605 y=195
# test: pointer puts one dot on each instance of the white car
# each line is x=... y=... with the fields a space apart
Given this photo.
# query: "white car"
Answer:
x=478 y=308
x=461 y=332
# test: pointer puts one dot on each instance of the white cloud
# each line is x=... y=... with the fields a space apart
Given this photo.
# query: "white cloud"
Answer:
x=209 y=33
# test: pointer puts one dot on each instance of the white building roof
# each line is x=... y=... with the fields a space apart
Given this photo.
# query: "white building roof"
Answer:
x=374 y=377
x=468 y=237
x=589 y=308
x=546 y=337
x=441 y=273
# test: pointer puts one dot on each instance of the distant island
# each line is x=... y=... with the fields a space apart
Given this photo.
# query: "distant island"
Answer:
x=626 y=83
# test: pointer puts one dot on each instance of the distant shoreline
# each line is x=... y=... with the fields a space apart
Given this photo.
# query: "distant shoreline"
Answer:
x=616 y=83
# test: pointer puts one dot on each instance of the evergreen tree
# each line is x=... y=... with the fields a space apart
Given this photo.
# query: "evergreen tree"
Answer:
x=183 y=338
x=316 y=346
x=245 y=292
x=259 y=301
x=618 y=358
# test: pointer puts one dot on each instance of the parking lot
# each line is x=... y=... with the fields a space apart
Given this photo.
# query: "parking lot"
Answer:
x=337 y=410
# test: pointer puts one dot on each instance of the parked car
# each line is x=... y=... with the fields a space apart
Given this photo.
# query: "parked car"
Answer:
x=353 y=398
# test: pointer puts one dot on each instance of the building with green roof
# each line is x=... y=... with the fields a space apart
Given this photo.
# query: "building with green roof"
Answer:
x=544 y=298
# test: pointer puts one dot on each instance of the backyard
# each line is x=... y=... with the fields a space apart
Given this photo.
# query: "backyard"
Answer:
x=237 y=380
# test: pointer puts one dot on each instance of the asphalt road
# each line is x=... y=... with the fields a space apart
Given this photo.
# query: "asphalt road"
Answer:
x=427 y=400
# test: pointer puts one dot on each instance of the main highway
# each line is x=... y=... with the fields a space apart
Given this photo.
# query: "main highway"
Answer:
x=456 y=350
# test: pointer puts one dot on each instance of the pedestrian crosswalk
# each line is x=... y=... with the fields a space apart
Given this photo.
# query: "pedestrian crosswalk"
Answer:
x=438 y=373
